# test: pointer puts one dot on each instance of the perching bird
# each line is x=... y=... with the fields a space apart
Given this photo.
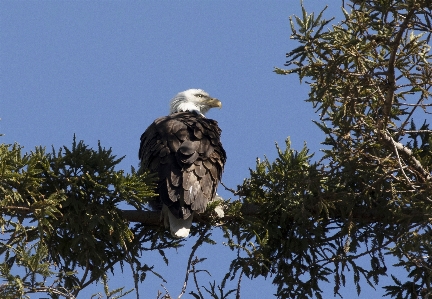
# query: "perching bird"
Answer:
x=185 y=151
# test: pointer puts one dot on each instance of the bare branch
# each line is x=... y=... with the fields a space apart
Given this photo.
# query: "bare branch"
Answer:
x=391 y=68
x=407 y=154
x=417 y=131
x=239 y=284
x=203 y=235
x=401 y=167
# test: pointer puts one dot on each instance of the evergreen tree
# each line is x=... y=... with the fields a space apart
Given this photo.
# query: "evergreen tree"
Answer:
x=299 y=221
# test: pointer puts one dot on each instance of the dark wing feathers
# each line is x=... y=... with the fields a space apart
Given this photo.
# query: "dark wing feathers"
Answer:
x=184 y=149
x=199 y=170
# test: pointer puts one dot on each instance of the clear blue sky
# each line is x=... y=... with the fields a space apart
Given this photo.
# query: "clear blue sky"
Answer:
x=104 y=70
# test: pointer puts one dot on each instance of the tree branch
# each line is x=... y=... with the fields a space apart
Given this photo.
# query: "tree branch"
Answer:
x=203 y=235
x=360 y=214
x=388 y=103
x=407 y=154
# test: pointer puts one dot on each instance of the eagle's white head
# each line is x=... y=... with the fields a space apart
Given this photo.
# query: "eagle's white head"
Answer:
x=193 y=100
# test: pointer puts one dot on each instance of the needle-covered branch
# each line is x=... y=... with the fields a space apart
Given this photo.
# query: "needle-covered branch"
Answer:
x=368 y=75
x=61 y=208
x=300 y=222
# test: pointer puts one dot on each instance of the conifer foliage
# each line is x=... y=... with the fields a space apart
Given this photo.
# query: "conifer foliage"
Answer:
x=60 y=218
x=298 y=220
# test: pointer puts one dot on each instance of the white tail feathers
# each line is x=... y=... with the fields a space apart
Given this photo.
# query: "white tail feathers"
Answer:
x=179 y=227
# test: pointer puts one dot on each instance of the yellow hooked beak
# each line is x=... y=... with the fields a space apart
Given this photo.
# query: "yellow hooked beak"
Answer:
x=213 y=103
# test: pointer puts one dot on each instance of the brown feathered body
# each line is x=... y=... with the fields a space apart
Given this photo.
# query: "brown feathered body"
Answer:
x=185 y=151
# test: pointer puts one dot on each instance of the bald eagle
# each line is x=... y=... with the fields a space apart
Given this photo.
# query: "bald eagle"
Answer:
x=185 y=151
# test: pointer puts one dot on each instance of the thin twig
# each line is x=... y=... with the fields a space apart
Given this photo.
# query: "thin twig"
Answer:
x=229 y=189
x=239 y=284
x=195 y=278
x=401 y=166
x=167 y=295
x=408 y=117
x=135 y=278
x=408 y=154
x=389 y=96
x=51 y=290
x=418 y=131
x=198 y=243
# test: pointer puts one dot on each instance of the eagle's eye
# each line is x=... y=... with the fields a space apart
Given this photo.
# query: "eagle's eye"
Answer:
x=199 y=95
